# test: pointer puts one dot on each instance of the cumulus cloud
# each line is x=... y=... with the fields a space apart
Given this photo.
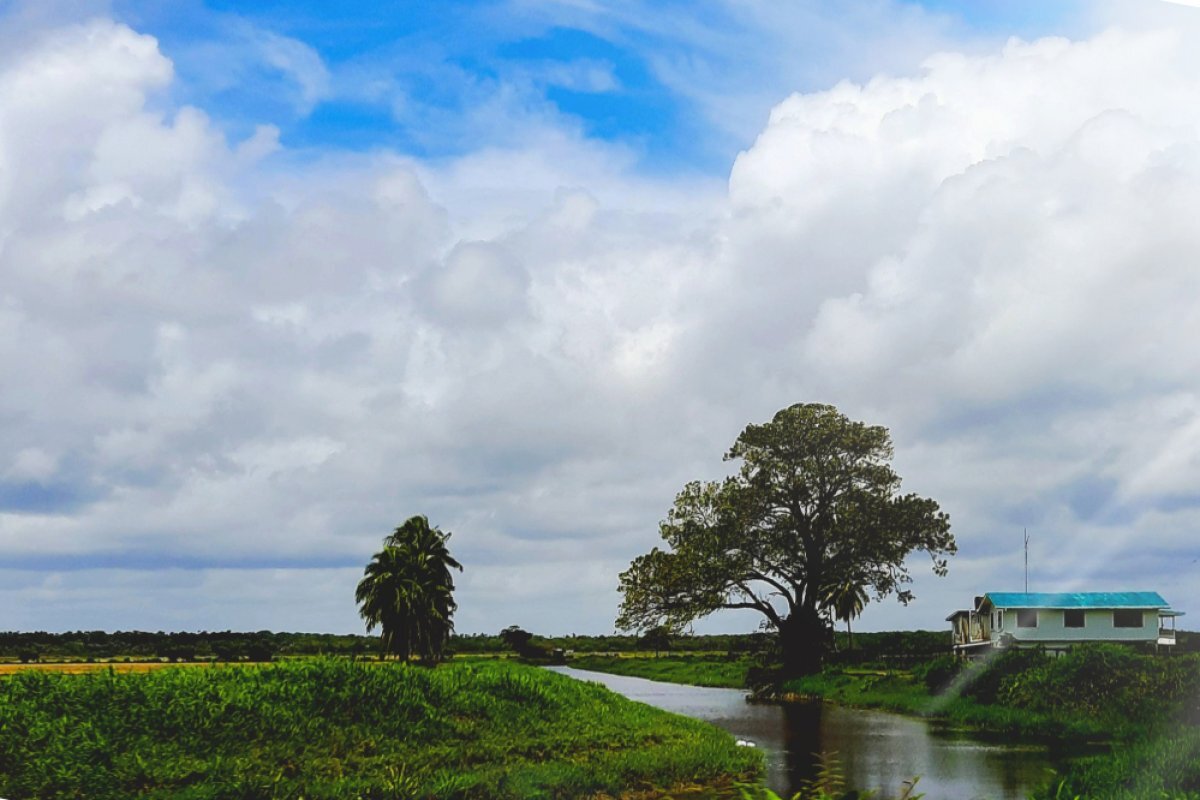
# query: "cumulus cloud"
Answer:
x=236 y=371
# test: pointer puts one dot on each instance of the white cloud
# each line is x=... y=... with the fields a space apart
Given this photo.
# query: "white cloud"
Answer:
x=232 y=358
x=298 y=61
x=31 y=464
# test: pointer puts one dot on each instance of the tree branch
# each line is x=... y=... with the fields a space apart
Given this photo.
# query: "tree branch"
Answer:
x=783 y=590
x=760 y=605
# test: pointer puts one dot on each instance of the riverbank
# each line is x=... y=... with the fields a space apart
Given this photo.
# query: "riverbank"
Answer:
x=874 y=751
x=905 y=693
x=1149 y=749
x=336 y=729
x=1147 y=707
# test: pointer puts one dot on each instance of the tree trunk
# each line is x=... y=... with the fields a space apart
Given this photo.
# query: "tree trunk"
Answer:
x=802 y=640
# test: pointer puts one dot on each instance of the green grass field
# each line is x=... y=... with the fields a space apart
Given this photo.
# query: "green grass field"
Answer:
x=327 y=728
x=694 y=670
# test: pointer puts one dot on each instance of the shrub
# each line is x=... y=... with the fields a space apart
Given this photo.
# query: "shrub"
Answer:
x=1107 y=680
x=939 y=673
x=986 y=678
x=259 y=652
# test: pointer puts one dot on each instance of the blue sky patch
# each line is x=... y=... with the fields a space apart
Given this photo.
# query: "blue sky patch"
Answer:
x=438 y=80
x=28 y=497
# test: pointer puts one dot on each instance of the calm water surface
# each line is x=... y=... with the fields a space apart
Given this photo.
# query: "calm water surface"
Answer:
x=877 y=750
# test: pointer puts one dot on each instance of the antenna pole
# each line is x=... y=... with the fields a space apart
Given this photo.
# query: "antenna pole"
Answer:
x=1026 y=531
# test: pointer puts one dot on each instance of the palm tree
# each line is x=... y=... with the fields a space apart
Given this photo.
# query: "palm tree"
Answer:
x=407 y=591
x=845 y=602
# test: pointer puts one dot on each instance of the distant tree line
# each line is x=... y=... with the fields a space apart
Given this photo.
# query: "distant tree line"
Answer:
x=892 y=646
x=177 y=646
x=264 y=645
x=481 y=643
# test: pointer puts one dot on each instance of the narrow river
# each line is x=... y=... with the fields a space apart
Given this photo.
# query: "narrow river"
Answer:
x=877 y=750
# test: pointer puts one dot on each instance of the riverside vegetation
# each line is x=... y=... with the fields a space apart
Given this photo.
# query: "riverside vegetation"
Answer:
x=333 y=728
x=1145 y=709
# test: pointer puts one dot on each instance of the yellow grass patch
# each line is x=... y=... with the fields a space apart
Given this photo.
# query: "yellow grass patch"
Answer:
x=79 y=668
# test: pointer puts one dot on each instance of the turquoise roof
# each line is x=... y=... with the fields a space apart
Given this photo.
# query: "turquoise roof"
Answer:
x=1076 y=599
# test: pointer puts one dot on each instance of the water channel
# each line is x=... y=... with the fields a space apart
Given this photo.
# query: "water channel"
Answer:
x=877 y=750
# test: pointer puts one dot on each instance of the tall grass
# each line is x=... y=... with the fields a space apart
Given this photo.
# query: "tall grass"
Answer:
x=337 y=729
x=1165 y=766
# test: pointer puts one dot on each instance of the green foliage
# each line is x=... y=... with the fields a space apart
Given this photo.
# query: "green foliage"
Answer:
x=407 y=591
x=656 y=639
x=939 y=673
x=985 y=679
x=516 y=637
x=204 y=645
x=530 y=647
x=813 y=512
x=846 y=601
x=905 y=692
x=234 y=646
x=891 y=648
x=1162 y=767
x=339 y=729
x=1107 y=682
x=1146 y=705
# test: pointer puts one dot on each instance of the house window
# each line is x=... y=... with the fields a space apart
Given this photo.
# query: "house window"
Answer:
x=1027 y=618
x=1128 y=618
x=1073 y=618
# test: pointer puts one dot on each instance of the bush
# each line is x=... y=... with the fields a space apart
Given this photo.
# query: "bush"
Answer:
x=938 y=674
x=986 y=679
x=224 y=652
x=259 y=652
x=177 y=653
x=1107 y=681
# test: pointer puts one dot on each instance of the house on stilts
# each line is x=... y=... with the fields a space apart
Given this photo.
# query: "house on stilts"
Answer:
x=1056 y=621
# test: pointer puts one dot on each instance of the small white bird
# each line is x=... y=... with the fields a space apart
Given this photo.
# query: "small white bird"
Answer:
x=745 y=743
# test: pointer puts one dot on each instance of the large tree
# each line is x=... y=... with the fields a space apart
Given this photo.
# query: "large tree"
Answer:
x=815 y=507
x=407 y=591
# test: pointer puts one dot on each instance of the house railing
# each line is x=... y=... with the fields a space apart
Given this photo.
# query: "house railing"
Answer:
x=973 y=635
x=1166 y=633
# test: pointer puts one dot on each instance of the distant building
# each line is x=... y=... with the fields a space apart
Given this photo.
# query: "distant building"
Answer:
x=1058 y=620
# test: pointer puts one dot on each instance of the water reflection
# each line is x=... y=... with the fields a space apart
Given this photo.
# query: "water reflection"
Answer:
x=876 y=750
x=802 y=743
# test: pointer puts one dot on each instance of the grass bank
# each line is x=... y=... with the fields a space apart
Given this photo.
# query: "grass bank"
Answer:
x=1147 y=707
x=330 y=728
x=693 y=670
x=1164 y=765
x=904 y=692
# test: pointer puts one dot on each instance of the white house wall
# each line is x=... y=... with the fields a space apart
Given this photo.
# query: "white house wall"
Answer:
x=1097 y=625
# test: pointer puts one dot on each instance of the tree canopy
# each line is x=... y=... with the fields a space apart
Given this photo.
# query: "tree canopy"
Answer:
x=814 y=508
x=407 y=591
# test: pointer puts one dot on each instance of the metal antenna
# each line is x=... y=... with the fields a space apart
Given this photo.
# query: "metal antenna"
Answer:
x=1026 y=531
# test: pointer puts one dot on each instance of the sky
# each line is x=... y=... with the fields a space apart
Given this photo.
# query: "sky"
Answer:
x=276 y=276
